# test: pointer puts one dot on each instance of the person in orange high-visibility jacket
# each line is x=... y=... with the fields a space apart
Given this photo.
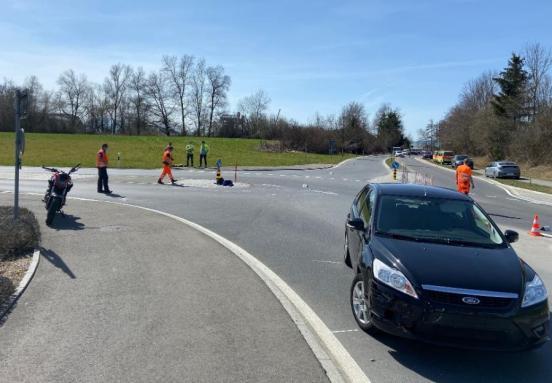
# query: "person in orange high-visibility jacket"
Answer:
x=464 y=178
x=102 y=161
x=167 y=162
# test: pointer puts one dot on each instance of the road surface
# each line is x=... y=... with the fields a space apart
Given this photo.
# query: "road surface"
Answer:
x=293 y=221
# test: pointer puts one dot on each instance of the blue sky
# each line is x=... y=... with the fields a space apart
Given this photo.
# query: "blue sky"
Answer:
x=310 y=56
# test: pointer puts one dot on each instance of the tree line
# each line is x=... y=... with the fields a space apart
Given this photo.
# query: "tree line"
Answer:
x=185 y=96
x=502 y=115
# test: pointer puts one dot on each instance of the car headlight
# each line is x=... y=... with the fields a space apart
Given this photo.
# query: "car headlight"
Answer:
x=393 y=278
x=535 y=292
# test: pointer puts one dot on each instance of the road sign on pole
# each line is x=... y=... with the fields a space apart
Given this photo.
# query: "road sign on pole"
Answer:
x=395 y=165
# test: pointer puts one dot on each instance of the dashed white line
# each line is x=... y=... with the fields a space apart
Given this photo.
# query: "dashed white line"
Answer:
x=321 y=261
x=343 y=331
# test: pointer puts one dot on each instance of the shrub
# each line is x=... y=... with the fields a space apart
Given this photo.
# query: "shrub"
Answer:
x=17 y=237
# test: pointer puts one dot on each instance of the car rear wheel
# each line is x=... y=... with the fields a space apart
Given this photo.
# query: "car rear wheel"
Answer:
x=360 y=305
x=347 y=255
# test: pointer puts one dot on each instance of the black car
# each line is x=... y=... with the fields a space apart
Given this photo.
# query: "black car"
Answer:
x=458 y=160
x=430 y=264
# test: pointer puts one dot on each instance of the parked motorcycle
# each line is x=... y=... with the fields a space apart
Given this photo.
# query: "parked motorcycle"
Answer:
x=58 y=186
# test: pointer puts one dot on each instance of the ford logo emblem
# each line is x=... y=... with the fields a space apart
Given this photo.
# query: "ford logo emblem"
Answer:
x=471 y=300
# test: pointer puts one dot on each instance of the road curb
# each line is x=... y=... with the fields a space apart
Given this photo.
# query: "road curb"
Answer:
x=7 y=306
x=336 y=361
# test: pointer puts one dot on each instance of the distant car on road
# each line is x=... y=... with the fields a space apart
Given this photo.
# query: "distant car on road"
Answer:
x=503 y=169
x=458 y=160
x=430 y=264
x=427 y=155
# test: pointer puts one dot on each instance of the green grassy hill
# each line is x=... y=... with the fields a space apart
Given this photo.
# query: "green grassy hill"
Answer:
x=144 y=152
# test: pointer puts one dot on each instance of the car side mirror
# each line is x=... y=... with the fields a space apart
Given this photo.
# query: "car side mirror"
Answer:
x=356 y=224
x=511 y=236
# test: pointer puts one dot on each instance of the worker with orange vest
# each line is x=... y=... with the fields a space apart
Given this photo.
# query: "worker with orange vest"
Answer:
x=102 y=161
x=167 y=162
x=464 y=178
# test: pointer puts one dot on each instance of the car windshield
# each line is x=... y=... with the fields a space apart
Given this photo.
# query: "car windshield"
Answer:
x=448 y=221
x=507 y=163
x=461 y=157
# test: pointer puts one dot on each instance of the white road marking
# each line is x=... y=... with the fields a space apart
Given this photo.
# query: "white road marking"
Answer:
x=283 y=175
x=357 y=180
x=318 y=177
x=332 y=178
x=342 y=331
x=491 y=196
x=307 y=176
x=321 y=261
x=345 y=179
x=322 y=192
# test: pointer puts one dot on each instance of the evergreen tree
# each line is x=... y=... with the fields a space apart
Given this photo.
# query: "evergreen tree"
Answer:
x=510 y=101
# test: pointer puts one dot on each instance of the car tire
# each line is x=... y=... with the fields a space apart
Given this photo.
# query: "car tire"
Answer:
x=360 y=305
x=346 y=254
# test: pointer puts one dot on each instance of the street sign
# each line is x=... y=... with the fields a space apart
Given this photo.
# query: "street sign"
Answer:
x=395 y=165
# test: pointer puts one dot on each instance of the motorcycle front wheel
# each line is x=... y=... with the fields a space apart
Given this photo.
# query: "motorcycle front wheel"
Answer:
x=55 y=205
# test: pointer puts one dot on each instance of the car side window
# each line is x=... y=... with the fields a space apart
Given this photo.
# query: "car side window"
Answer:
x=360 y=198
x=366 y=207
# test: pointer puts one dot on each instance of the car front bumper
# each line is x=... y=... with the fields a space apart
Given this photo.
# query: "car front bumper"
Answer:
x=458 y=326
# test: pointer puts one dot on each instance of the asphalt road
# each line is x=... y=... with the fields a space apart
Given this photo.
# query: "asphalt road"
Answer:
x=293 y=222
x=124 y=295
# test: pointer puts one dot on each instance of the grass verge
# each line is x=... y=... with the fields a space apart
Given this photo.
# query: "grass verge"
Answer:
x=18 y=239
x=144 y=152
x=525 y=185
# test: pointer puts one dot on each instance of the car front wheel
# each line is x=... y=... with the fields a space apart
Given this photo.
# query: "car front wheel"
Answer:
x=360 y=305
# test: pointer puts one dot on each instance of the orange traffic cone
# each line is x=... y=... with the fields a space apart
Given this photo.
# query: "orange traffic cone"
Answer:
x=535 y=229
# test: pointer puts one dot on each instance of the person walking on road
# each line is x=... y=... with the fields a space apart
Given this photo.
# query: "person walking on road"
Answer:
x=102 y=161
x=203 y=151
x=190 y=154
x=167 y=163
x=464 y=177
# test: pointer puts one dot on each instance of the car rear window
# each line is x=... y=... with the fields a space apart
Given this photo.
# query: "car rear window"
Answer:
x=448 y=153
x=448 y=221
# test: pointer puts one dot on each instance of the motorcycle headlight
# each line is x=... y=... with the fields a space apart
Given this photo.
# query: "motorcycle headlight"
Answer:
x=535 y=292
x=393 y=278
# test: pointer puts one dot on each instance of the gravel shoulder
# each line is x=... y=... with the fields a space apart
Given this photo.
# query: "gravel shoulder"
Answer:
x=132 y=296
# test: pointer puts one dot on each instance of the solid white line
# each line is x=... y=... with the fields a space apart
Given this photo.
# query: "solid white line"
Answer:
x=329 y=351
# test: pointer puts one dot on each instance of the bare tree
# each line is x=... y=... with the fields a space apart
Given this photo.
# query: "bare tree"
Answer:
x=115 y=87
x=218 y=83
x=478 y=93
x=198 y=96
x=538 y=62
x=72 y=91
x=137 y=86
x=255 y=107
x=158 y=91
x=179 y=73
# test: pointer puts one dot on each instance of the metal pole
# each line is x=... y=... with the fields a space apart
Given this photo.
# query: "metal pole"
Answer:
x=17 y=160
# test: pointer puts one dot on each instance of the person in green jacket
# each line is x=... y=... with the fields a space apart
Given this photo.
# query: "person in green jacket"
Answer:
x=203 y=151
x=190 y=154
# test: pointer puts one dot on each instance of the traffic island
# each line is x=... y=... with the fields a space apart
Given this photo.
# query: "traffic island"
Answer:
x=18 y=240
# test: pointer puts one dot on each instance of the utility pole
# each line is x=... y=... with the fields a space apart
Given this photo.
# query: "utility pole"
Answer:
x=20 y=104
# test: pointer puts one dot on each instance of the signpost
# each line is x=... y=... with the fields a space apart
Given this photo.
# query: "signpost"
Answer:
x=20 y=110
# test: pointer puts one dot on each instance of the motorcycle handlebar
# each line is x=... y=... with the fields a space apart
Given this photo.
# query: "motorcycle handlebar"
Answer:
x=74 y=168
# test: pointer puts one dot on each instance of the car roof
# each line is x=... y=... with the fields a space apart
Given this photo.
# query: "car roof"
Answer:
x=416 y=190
